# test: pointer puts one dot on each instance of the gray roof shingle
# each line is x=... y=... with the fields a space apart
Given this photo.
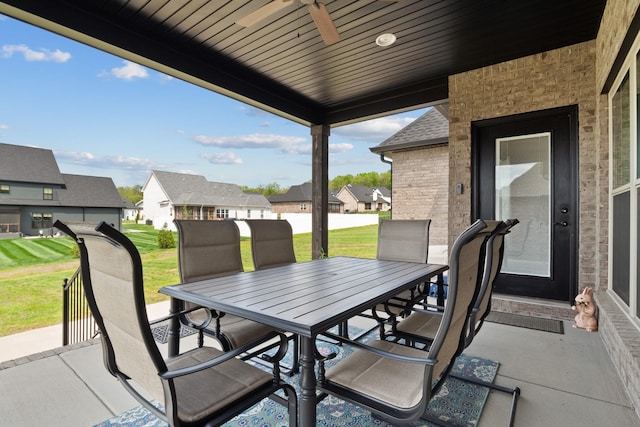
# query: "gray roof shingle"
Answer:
x=299 y=193
x=186 y=189
x=362 y=193
x=28 y=164
x=89 y=191
x=432 y=128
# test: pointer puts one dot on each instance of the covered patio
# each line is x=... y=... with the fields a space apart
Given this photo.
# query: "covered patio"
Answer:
x=571 y=383
x=487 y=60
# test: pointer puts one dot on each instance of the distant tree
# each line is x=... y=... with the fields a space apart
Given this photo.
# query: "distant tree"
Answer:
x=273 y=188
x=265 y=190
x=369 y=179
x=133 y=194
x=340 y=181
x=385 y=180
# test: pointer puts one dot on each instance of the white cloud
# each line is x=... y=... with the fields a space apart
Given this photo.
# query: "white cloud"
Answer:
x=375 y=130
x=254 y=140
x=118 y=162
x=4 y=126
x=32 y=55
x=226 y=158
x=340 y=148
x=129 y=71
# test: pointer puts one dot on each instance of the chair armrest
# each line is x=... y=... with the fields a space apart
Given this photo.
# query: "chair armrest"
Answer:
x=226 y=356
x=383 y=353
x=183 y=318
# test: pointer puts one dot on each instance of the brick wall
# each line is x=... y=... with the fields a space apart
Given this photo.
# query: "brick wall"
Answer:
x=293 y=207
x=551 y=79
x=420 y=182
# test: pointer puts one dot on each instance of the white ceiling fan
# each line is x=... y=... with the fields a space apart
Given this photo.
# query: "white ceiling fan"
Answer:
x=317 y=10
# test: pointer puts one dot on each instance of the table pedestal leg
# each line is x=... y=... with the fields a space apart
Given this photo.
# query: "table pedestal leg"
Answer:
x=173 y=332
x=307 y=399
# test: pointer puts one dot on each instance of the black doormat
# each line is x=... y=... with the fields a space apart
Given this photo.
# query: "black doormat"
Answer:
x=529 y=322
x=161 y=333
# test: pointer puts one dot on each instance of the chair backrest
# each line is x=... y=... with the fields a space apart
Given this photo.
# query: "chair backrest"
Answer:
x=113 y=284
x=465 y=270
x=403 y=240
x=207 y=249
x=271 y=242
x=492 y=266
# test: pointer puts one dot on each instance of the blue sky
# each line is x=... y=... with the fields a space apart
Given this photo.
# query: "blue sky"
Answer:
x=104 y=116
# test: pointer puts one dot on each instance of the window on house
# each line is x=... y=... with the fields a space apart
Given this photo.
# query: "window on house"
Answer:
x=41 y=220
x=303 y=206
x=222 y=213
x=248 y=213
x=5 y=189
x=9 y=221
x=47 y=193
x=367 y=206
x=261 y=213
x=624 y=187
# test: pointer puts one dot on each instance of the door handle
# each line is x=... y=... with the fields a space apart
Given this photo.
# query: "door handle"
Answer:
x=562 y=223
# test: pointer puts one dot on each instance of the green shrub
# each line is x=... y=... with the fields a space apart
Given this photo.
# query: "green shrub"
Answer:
x=75 y=251
x=165 y=238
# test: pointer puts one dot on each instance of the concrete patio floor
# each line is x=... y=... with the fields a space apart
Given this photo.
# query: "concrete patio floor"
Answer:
x=566 y=380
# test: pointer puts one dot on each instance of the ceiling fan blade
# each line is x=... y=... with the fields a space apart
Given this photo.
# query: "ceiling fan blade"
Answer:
x=326 y=27
x=264 y=12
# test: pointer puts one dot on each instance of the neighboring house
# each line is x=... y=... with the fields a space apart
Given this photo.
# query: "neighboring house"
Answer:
x=420 y=171
x=140 y=209
x=360 y=198
x=34 y=194
x=130 y=211
x=298 y=200
x=168 y=196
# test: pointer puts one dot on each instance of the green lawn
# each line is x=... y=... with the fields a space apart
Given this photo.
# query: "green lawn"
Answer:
x=32 y=270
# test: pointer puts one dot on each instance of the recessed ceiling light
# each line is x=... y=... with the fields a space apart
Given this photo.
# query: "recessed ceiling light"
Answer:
x=386 y=39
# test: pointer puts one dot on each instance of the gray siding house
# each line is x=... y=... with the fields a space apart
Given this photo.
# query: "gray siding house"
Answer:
x=34 y=194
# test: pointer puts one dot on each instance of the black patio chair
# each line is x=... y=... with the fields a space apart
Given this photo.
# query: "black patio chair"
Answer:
x=396 y=382
x=398 y=240
x=208 y=249
x=421 y=326
x=201 y=387
x=272 y=246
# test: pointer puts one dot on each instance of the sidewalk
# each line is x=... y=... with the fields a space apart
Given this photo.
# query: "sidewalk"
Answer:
x=46 y=339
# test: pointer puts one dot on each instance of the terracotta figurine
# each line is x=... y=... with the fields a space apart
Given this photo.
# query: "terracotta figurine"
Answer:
x=586 y=308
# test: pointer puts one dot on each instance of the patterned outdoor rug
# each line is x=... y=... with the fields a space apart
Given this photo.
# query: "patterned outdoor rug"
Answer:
x=457 y=402
x=161 y=333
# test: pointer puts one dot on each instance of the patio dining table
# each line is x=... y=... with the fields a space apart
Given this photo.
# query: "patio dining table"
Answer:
x=305 y=298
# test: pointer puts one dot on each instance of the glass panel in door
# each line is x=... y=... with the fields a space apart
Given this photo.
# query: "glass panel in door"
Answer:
x=523 y=191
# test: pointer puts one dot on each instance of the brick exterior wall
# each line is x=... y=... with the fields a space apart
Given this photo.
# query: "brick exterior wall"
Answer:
x=420 y=182
x=551 y=79
x=290 y=207
x=621 y=337
x=573 y=75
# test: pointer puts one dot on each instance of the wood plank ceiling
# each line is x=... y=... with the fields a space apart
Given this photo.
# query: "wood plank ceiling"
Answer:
x=282 y=64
